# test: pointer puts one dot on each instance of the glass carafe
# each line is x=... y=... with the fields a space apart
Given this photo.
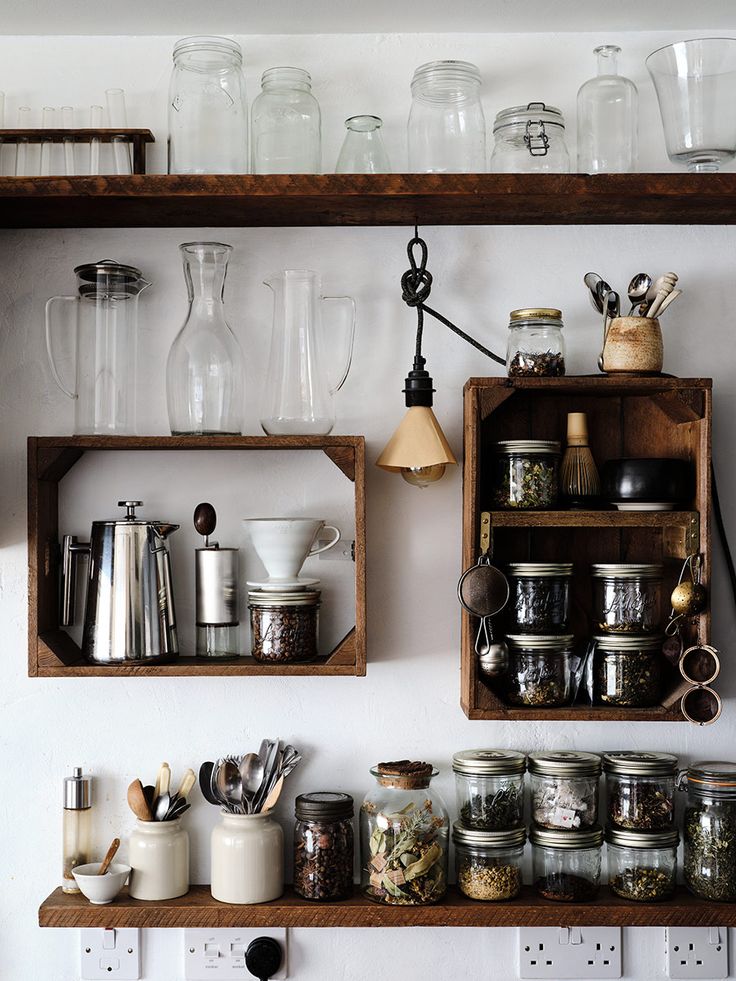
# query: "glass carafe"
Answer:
x=298 y=394
x=363 y=151
x=205 y=370
x=607 y=118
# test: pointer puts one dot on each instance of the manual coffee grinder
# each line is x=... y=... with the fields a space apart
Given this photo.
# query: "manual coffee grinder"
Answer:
x=216 y=591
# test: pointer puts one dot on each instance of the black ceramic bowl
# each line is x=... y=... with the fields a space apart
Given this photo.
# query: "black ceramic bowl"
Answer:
x=648 y=481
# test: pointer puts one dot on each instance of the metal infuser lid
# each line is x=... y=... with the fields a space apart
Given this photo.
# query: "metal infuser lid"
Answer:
x=489 y=762
x=108 y=279
x=565 y=763
x=511 y=838
x=77 y=791
x=631 y=763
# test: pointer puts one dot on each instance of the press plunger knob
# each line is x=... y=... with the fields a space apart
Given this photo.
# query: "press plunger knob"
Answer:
x=205 y=521
x=130 y=507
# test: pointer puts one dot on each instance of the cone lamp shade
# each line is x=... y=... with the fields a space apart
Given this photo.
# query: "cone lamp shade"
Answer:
x=418 y=448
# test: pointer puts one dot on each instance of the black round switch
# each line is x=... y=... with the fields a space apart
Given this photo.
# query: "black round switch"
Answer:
x=263 y=957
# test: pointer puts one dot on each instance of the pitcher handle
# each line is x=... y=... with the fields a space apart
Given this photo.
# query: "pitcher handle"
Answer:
x=70 y=551
x=49 y=346
x=335 y=538
x=351 y=340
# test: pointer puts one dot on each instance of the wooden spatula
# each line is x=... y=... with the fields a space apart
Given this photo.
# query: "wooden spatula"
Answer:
x=111 y=853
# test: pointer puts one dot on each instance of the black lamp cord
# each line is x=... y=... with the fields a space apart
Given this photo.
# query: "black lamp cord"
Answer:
x=722 y=532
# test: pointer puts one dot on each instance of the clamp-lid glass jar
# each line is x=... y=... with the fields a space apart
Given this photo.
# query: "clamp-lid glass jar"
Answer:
x=642 y=865
x=539 y=670
x=627 y=670
x=640 y=790
x=284 y=626
x=489 y=784
x=539 y=597
x=323 y=846
x=567 y=864
x=536 y=347
x=488 y=863
x=530 y=139
x=564 y=789
x=627 y=597
x=526 y=474
x=710 y=830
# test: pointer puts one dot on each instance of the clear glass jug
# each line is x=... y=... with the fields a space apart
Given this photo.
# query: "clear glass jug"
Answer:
x=105 y=330
x=298 y=397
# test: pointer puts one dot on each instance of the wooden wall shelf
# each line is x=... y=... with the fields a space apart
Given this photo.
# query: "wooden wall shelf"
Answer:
x=51 y=651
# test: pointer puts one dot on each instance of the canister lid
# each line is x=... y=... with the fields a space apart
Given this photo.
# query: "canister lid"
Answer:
x=564 y=763
x=541 y=642
x=629 y=643
x=535 y=112
x=631 y=763
x=712 y=777
x=643 y=839
x=511 y=838
x=626 y=570
x=300 y=597
x=324 y=805
x=536 y=570
x=535 y=313
x=512 y=447
x=489 y=762
x=404 y=774
x=107 y=279
x=590 y=838
x=77 y=791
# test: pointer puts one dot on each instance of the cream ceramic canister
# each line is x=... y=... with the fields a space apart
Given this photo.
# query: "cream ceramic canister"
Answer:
x=159 y=860
x=247 y=859
x=633 y=345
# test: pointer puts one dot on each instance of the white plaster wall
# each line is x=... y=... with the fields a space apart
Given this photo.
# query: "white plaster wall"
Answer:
x=408 y=705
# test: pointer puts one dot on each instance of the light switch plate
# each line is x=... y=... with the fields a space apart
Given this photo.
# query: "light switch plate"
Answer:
x=696 y=952
x=570 y=952
x=110 y=954
x=221 y=953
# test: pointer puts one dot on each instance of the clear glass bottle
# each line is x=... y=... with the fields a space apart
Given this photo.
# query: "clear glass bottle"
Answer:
x=530 y=140
x=447 y=128
x=77 y=827
x=539 y=598
x=286 y=126
x=539 y=670
x=642 y=865
x=564 y=789
x=536 y=347
x=627 y=670
x=363 y=151
x=489 y=785
x=208 y=111
x=710 y=831
x=567 y=864
x=526 y=474
x=323 y=846
x=205 y=374
x=627 y=597
x=607 y=118
x=488 y=863
x=640 y=790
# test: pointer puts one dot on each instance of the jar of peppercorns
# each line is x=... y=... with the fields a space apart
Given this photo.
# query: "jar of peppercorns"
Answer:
x=323 y=846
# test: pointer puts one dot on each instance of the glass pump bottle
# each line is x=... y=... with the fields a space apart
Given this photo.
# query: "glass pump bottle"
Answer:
x=77 y=828
x=607 y=118
x=363 y=151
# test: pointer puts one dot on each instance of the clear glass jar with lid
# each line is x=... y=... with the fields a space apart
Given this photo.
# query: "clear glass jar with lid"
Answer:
x=567 y=864
x=323 y=845
x=539 y=670
x=404 y=830
x=564 y=789
x=530 y=140
x=488 y=863
x=536 y=347
x=640 y=790
x=526 y=474
x=447 y=127
x=539 y=598
x=627 y=597
x=710 y=830
x=627 y=670
x=489 y=784
x=284 y=625
x=286 y=124
x=642 y=865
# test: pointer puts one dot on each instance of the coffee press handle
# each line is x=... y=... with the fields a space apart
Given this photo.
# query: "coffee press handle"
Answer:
x=350 y=342
x=49 y=344
x=70 y=549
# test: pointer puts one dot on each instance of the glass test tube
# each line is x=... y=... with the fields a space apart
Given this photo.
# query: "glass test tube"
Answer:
x=48 y=118
x=95 y=122
x=21 y=150
x=67 y=121
x=118 y=119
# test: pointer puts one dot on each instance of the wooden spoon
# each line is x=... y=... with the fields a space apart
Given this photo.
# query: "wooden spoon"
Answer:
x=111 y=852
x=137 y=801
x=270 y=802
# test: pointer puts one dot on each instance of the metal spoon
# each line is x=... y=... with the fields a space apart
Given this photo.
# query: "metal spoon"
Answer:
x=613 y=309
x=602 y=289
x=638 y=288
x=205 y=782
x=591 y=280
x=229 y=785
x=251 y=774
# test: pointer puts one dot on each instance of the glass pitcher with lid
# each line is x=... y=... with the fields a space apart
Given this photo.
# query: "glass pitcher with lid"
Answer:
x=103 y=319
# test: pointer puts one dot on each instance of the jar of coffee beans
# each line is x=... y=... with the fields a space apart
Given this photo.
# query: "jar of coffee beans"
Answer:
x=283 y=625
x=323 y=846
x=488 y=863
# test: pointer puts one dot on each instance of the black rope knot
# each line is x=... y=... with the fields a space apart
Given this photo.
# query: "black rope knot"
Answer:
x=416 y=283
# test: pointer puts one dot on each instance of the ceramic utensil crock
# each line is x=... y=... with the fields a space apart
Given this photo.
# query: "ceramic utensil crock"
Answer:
x=159 y=857
x=247 y=859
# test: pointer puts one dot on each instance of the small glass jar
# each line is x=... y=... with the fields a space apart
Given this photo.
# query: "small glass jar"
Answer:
x=447 y=128
x=564 y=789
x=536 y=347
x=642 y=865
x=539 y=671
x=286 y=124
x=488 y=863
x=284 y=626
x=404 y=837
x=323 y=846
x=539 y=598
x=530 y=140
x=489 y=785
x=566 y=864
x=526 y=474
x=627 y=598
x=363 y=151
x=710 y=831
x=627 y=670
x=640 y=790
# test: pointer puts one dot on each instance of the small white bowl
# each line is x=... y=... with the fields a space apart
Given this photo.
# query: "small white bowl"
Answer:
x=101 y=889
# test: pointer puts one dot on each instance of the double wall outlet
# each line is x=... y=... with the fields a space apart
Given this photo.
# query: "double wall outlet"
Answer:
x=221 y=953
x=696 y=952
x=110 y=954
x=570 y=952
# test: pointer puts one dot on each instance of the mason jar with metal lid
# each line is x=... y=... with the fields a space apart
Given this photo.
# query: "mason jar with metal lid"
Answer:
x=323 y=845
x=539 y=670
x=567 y=864
x=536 y=347
x=488 y=863
x=530 y=139
x=627 y=597
x=564 y=789
x=284 y=625
x=539 y=598
x=640 y=790
x=710 y=830
x=526 y=474
x=489 y=784
x=627 y=670
x=642 y=865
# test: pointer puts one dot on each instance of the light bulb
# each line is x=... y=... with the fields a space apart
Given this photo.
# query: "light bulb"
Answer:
x=421 y=476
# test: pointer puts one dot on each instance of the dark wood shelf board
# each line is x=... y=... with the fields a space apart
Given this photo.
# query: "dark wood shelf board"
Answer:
x=591 y=519
x=74 y=133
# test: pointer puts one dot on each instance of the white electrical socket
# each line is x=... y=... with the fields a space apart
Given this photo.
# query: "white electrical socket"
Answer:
x=221 y=953
x=111 y=954
x=570 y=952
x=696 y=952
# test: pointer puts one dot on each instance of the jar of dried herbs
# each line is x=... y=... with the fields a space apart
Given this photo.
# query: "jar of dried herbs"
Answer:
x=640 y=790
x=526 y=474
x=284 y=625
x=489 y=784
x=539 y=598
x=564 y=789
x=488 y=863
x=404 y=830
x=323 y=846
x=627 y=598
x=627 y=670
x=539 y=670
x=642 y=865
x=710 y=831
x=567 y=864
x=536 y=347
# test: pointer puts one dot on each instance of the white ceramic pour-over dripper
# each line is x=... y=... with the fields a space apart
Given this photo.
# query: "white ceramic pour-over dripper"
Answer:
x=283 y=544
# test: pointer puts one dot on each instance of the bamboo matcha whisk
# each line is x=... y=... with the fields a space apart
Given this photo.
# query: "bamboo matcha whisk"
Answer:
x=579 y=479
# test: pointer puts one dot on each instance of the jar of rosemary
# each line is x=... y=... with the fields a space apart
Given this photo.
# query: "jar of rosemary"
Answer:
x=627 y=670
x=710 y=830
x=539 y=670
x=525 y=474
x=640 y=790
x=642 y=865
x=489 y=784
x=488 y=863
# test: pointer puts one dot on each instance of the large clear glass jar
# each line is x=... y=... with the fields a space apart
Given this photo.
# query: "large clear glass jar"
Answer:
x=284 y=625
x=526 y=474
x=447 y=128
x=567 y=864
x=208 y=112
x=323 y=846
x=539 y=670
x=627 y=670
x=564 y=789
x=530 y=140
x=640 y=790
x=627 y=598
x=539 y=597
x=404 y=836
x=710 y=831
x=642 y=865
x=363 y=151
x=607 y=118
x=286 y=124
x=536 y=347
x=489 y=785
x=488 y=863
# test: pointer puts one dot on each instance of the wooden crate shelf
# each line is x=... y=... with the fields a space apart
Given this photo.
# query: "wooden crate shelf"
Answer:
x=52 y=653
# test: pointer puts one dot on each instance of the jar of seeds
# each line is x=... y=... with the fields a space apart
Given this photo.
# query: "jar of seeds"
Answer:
x=640 y=790
x=525 y=474
x=564 y=789
x=284 y=625
x=539 y=598
x=489 y=784
x=539 y=670
x=627 y=670
x=488 y=863
x=642 y=865
x=710 y=831
x=536 y=346
x=323 y=846
x=567 y=864
x=627 y=598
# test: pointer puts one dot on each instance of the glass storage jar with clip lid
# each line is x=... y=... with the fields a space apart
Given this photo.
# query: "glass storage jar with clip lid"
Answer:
x=536 y=347
x=526 y=474
x=539 y=670
x=627 y=670
x=627 y=597
x=530 y=140
x=564 y=789
x=642 y=865
x=567 y=864
x=539 y=598
x=710 y=830
x=488 y=863
x=640 y=790
x=489 y=784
